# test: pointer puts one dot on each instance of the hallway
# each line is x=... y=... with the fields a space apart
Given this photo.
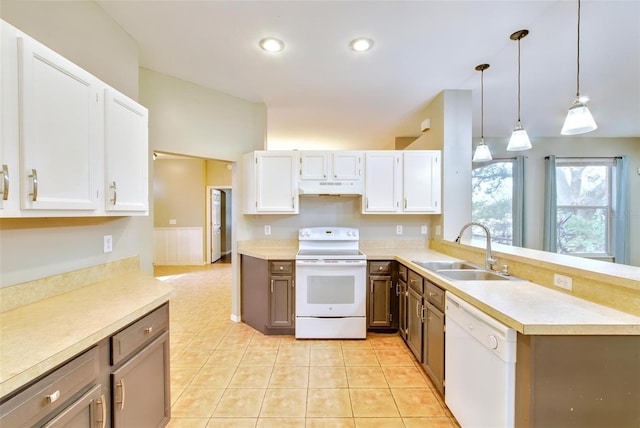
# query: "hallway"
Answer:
x=226 y=374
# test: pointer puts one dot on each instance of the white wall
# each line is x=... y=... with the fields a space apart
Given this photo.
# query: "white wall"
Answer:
x=572 y=146
x=36 y=248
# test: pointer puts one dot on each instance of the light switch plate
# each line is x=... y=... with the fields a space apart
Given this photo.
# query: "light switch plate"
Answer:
x=399 y=229
x=423 y=229
x=172 y=221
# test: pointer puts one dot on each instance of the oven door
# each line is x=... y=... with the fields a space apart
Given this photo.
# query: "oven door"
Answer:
x=331 y=288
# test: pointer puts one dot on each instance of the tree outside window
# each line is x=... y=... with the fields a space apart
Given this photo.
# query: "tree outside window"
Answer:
x=584 y=209
x=492 y=199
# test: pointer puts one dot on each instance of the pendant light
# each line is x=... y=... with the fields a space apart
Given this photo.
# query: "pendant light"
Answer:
x=482 y=153
x=519 y=139
x=579 y=119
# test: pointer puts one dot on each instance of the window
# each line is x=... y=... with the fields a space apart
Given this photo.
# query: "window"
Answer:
x=492 y=199
x=584 y=220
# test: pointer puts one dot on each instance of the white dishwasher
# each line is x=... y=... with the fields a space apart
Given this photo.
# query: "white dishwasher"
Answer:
x=480 y=361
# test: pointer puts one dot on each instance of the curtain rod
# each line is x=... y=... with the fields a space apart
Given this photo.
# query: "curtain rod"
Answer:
x=586 y=157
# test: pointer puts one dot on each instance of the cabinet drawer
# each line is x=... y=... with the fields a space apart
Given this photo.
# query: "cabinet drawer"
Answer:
x=139 y=333
x=415 y=282
x=281 y=267
x=435 y=295
x=380 y=268
x=51 y=392
x=402 y=273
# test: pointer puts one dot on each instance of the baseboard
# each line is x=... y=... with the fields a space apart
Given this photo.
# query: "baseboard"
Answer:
x=235 y=318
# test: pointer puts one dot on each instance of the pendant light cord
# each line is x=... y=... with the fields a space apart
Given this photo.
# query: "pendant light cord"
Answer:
x=519 y=80
x=482 y=105
x=578 y=65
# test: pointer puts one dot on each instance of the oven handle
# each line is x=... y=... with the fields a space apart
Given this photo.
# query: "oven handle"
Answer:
x=331 y=263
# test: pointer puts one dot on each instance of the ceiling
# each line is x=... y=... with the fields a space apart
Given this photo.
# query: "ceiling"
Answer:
x=319 y=93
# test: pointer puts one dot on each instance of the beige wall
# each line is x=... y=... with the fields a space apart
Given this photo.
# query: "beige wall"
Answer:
x=218 y=174
x=179 y=192
x=36 y=248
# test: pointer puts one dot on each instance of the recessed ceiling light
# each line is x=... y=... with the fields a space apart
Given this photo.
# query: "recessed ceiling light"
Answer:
x=361 y=44
x=271 y=44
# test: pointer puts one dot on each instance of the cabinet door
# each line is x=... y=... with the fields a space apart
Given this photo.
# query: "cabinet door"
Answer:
x=140 y=388
x=61 y=142
x=276 y=190
x=434 y=346
x=347 y=165
x=379 y=301
x=89 y=411
x=314 y=165
x=414 y=323
x=421 y=181
x=9 y=136
x=402 y=304
x=382 y=182
x=281 y=301
x=126 y=154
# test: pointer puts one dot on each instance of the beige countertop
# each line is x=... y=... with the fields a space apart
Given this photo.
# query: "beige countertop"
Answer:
x=44 y=334
x=522 y=305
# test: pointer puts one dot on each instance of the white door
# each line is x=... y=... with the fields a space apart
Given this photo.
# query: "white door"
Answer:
x=216 y=243
x=347 y=165
x=276 y=183
x=313 y=165
x=60 y=145
x=126 y=153
x=421 y=181
x=382 y=182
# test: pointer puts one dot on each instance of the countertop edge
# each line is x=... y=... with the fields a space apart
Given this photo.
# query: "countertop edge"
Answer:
x=161 y=296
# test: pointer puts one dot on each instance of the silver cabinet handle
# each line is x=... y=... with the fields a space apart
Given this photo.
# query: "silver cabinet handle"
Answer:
x=272 y=286
x=34 y=177
x=422 y=314
x=148 y=330
x=397 y=289
x=367 y=200
x=103 y=406
x=405 y=203
x=52 y=398
x=293 y=283
x=5 y=182
x=115 y=193
x=122 y=394
x=293 y=202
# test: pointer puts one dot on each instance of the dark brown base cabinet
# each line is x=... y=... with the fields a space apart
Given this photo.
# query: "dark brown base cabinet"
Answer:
x=382 y=312
x=121 y=381
x=267 y=294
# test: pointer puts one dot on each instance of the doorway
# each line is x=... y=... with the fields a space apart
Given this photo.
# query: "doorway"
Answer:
x=219 y=202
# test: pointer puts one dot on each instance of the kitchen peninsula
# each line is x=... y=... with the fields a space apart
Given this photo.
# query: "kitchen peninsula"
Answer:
x=556 y=330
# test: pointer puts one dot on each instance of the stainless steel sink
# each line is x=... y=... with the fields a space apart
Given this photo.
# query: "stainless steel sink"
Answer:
x=472 y=275
x=439 y=265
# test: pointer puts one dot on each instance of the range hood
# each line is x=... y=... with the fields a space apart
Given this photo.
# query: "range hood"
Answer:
x=330 y=187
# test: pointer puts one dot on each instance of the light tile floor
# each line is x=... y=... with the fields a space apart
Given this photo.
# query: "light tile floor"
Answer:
x=226 y=374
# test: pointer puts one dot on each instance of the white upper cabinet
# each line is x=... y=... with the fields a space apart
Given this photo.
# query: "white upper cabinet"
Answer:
x=60 y=144
x=402 y=182
x=271 y=185
x=9 y=163
x=126 y=148
x=382 y=182
x=421 y=181
x=330 y=172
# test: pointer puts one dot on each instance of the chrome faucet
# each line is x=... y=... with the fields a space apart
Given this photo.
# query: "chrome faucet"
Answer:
x=488 y=259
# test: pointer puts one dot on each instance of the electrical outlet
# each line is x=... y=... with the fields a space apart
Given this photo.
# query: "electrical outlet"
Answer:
x=562 y=281
x=107 y=244
x=423 y=229
x=438 y=230
x=399 y=229
x=267 y=229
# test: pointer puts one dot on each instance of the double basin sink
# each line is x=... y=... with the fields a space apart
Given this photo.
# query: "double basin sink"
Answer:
x=462 y=271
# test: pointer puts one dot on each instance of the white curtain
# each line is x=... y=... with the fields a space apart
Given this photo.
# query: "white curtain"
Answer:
x=550 y=238
x=518 y=202
x=621 y=211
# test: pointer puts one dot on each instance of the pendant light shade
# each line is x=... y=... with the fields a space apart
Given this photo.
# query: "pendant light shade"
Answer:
x=579 y=119
x=482 y=153
x=519 y=139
